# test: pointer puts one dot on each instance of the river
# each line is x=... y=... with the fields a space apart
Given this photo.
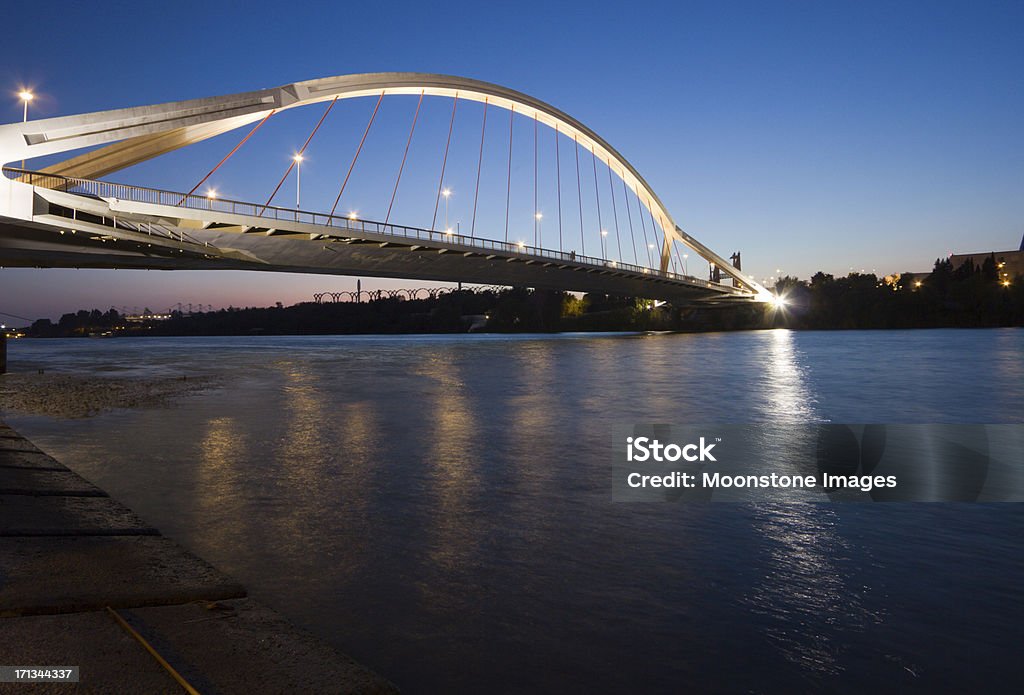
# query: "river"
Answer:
x=440 y=508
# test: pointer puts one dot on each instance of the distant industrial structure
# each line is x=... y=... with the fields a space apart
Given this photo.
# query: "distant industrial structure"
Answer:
x=1009 y=264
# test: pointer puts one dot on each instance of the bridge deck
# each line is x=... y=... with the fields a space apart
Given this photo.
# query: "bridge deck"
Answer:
x=87 y=223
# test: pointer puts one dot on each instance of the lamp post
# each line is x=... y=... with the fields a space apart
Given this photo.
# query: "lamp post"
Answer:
x=536 y=229
x=685 y=256
x=298 y=178
x=604 y=233
x=26 y=96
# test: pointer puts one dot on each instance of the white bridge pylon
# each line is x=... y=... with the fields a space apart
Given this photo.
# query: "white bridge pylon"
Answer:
x=125 y=137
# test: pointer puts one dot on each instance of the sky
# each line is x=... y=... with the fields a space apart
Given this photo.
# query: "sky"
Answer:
x=811 y=136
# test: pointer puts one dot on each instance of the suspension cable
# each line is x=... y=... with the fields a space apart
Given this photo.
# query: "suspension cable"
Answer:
x=405 y=154
x=615 y=210
x=536 y=219
x=597 y=195
x=681 y=264
x=508 y=179
x=629 y=214
x=654 y=228
x=479 y=166
x=643 y=225
x=228 y=156
x=298 y=155
x=579 y=194
x=444 y=162
x=358 y=150
x=558 y=185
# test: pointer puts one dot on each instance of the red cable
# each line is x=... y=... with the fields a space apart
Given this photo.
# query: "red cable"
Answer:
x=228 y=156
x=643 y=225
x=597 y=195
x=654 y=227
x=579 y=194
x=615 y=210
x=558 y=180
x=444 y=162
x=479 y=166
x=629 y=214
x=291 y=165
x=404 y=156
x=536 y=220
x=358 y=150
x=508 y=179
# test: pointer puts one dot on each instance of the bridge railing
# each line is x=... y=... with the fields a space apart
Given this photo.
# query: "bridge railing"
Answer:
x=270 y=213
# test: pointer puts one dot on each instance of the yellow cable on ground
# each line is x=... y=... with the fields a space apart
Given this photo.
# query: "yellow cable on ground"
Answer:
x=155 y=654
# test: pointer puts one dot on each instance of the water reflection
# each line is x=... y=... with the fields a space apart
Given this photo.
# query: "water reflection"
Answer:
x=804 y=597
x=455 y=453
x=785 y=396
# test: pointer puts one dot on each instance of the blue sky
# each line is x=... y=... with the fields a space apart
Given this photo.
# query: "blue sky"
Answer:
x=808 y=135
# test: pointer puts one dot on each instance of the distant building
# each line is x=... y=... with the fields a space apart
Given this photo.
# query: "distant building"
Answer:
x=1009 y=264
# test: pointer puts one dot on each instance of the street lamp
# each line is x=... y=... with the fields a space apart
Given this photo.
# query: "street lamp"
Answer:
x=446 y=193
x=298 y=177
x=685 y=256
x=536 y=229
x=25 y=96
x=604 y=233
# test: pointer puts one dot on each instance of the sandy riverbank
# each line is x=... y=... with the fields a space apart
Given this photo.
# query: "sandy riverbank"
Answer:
x=76 y=396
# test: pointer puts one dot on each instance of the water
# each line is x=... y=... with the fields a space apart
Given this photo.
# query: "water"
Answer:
x=440 y=507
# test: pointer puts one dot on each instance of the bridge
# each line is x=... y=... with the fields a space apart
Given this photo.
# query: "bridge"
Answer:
x=66 y=215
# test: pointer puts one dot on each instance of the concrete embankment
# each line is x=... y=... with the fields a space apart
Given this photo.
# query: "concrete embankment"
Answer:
x=84 y=582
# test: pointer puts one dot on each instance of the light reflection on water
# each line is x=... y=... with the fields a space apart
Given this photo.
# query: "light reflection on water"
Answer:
x=440 y=506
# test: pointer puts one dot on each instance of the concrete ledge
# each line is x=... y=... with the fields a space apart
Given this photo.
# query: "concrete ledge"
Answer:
x=29 y=481
x=69 y=574
x=45 y=515
x=29 y=459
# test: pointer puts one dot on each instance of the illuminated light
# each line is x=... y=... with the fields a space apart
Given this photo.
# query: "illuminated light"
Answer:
x=446 y=192
x=1006 y=283
x=917 y=283
x=650 y=246
x=539 y=216
x=26 y=95
x=778 y=302
x=353 y=215
x=211 y=193
x=298 y=158
x=604 y=232
x=448 y=231
x=521 y=244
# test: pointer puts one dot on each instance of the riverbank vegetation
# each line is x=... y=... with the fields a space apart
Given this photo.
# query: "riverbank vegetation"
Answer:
x=969 y=296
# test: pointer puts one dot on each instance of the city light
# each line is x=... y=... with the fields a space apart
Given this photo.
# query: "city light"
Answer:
x=448 y=231
x=211 y=193
x=539 y=216
x=521 y=244
x=353 y=215
x=778 y=302
x=25 y=95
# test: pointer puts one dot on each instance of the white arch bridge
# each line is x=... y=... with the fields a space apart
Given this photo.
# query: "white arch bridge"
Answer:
x=64 y=215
